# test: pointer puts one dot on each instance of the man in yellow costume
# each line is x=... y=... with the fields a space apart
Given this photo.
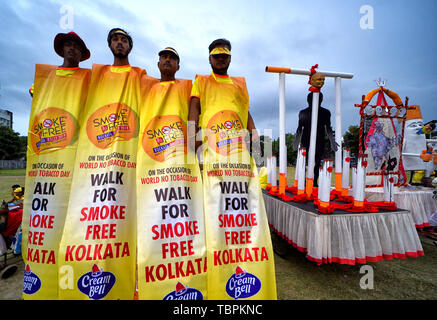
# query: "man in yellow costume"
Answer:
x=99 y=238
x=72 y=48
x=171 y=232
x=239 y=249
x=59 y=96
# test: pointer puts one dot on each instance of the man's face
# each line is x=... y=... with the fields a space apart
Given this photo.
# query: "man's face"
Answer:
x=220 y=62
x=72 y=50
x=168 y=63
x=428 y=127
x=317 y=80
x=120 y=46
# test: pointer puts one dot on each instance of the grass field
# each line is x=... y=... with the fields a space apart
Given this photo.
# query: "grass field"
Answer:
x=299 y=278
x=7 y=179
x=397 y=279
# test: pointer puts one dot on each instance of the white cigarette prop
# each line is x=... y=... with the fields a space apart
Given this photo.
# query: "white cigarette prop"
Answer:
x=296 y=173
x=388 y=188
x=354 y=181
x=324 y=190
x=300 y=170
x=269 y=173
x=282 y=145
x=312 y=150
x=339 y=174
x=274 y=175
x=282 y=71
x=430 y=166
x=345 y=172
x=361 y=181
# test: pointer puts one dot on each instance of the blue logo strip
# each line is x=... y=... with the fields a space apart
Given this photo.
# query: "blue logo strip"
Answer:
x=106 y=135
x=96 y=287
x=243 y=286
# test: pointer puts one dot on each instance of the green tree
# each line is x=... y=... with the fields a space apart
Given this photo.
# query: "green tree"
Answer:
x=351 y=140
x=291 y=153
x=11 y=145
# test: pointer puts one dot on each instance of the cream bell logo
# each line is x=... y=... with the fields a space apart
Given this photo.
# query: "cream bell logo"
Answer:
x=111 y=123
x=183 y=292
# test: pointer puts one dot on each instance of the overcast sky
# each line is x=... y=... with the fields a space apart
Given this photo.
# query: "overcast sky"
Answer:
x=397 y=44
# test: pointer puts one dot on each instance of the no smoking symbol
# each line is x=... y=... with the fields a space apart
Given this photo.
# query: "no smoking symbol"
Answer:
x=112 y=117
x=166 y=129
x=228 y=125
x=47 y=123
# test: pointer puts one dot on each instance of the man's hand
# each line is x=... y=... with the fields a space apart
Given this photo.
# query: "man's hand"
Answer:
x=334 y=144
x=296 y=140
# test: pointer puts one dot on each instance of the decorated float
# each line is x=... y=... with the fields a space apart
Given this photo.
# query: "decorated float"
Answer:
x=338 y=223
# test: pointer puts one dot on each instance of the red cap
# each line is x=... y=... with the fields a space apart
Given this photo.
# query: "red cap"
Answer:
x=61 y=37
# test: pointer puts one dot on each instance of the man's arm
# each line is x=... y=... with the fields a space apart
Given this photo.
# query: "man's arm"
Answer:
x=330 y=133
x=254 y=133
x=250 y=123
x=299 y=133
x=193 y=120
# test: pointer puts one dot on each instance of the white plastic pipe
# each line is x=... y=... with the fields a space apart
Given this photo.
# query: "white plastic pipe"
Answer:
x=313 y=135
x=345 y=172
x=361 y=180
x=338 y=158
x=298 y=165
x=321 y=182
x=354 y=181
x=305 y=72
x=274 y=175
x=388 y=188
x=324 y=190
x=429 y=168
x=269 y=170
x=301 y=171
x=282 y=146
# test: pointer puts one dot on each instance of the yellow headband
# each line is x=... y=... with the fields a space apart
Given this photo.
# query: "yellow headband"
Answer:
x=119 y=31
x=220 y=50
x=18 y=190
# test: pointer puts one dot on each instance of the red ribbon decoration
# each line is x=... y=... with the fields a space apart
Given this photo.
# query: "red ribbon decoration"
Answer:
x=313 y=71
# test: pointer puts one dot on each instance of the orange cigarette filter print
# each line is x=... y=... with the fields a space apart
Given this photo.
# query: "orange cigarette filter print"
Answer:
x=358 y=203
x=282 y=183
x=309 y=187
x=338 y=180
x=324 y=204
x=278 y=69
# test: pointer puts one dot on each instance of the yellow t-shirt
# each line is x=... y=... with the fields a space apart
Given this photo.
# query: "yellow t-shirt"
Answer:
x=223 y=79
x=61 y=72
x=121 y=69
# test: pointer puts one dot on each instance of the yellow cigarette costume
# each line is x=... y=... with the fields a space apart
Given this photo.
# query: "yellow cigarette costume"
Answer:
x=97 y=254
x=239 y=249
x=59 y=97
x=171 y=232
